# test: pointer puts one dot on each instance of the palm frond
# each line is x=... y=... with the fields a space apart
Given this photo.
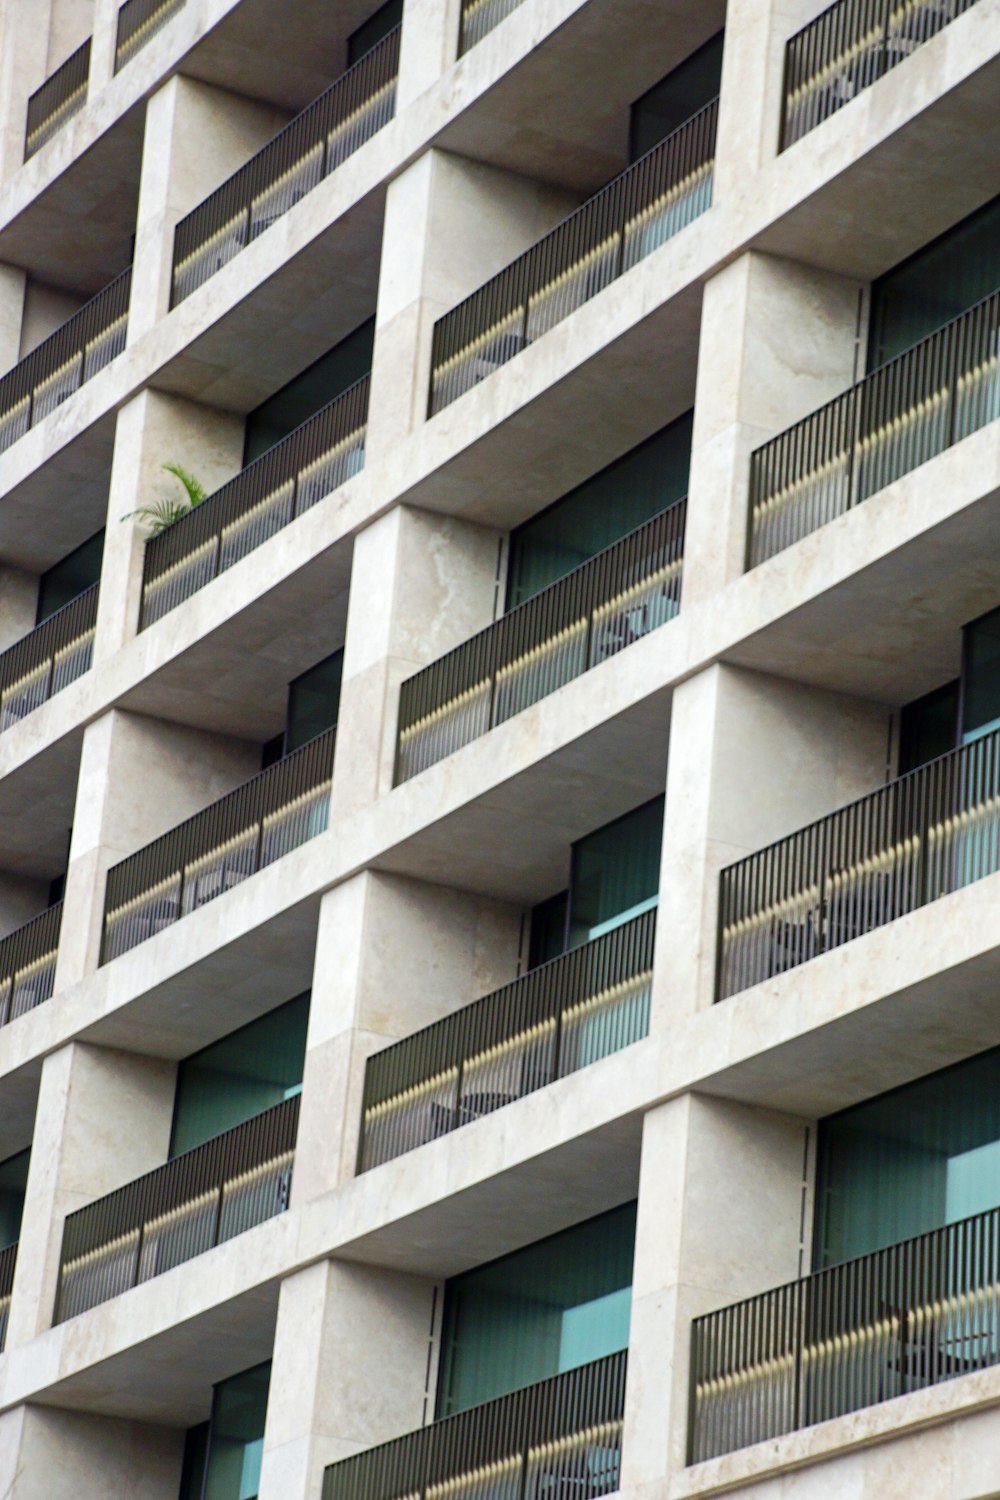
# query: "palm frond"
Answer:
x=159 y=516
x=195 y=489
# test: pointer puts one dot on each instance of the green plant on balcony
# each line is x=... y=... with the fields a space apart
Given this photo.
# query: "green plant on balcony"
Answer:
x=163 y=513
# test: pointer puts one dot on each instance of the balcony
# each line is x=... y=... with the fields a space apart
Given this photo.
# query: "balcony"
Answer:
x=901 y=415
x=479 y=17
x=895 y=1321
x=138 y=23
x=28 y=964
x=560 y=1437
x=270 y=493
x=920 y=837
x=847 y=48
x=48 y=659
x=572 y=1011
x=8 y=1261
x=615 y=598
x=60 y=97
x=219 y=848
x=608 y=235
x=77 y=351
x=196 y=1201
x=299 y=157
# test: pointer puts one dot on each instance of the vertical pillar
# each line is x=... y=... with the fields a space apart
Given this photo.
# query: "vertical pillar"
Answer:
x=428 y=45
x=103 y=43
x=23 y=69
x=13 y=282
x=47 y=1453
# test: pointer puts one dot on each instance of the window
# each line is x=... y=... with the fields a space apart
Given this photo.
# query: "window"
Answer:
x=666 y=106
x=222 y=1457
x=951 y=274
x=550 y=1307
x=927 y=727
x=373 y=31
x=13 y=1183
x=599 y=511
x=313 y=706
x=331 y=375
x=909 y=1161
x=66 y=579
x=236 y=1078
x=961 y=710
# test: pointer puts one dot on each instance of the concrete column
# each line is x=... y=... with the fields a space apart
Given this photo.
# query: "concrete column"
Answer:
x=154 y=429
x=23 y=69
x=138 y=778
x=12 y=288
x=196 y=136
x=70 y=23
x=103 y=1118
x=752 y=758
x=722 y=1198
x=450 y=224
x=103 y=45
x=392 y=956
x=352 y=1368
x=428 y=45
x=778 y=340
x=47 y=1453
x=18 y=604
x=420 y=584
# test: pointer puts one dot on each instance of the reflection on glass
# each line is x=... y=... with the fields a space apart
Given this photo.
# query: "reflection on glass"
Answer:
x=236 y=1436
x=615 y=873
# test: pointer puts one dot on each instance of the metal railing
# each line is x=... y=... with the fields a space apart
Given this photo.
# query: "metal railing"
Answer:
x=897 y=418
x=138 y=23
x=479 y=17
x=85 y=343
x=48 y=659
x=888 y=1323
x=922 y=836
x=218 y=848
x=60 y=97
x=615 y=598
x=561 y=1437
x=8 y=1262
x=583 y=1006
x=196 y=1201
x=606 y=236
x=28 y=964
x=309 y=148
x=847 y=48
x=283 y=483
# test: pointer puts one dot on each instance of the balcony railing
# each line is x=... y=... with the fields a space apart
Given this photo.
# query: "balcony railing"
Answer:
x=592 y=613
x=922 y=836
x=895 y=1321
x=48 y=659
x=28 y=964
x=60 y=97
x=8 y=1261
x=606 y=236
x=198 y=1200
x=138 y=23
x=561 y=1437
x=203 y=858
x=552 y=1021
x=850 y=45
x=904 y=413
x=479 y=17
x=309 y=148
x=85 y=343
x=283 y=483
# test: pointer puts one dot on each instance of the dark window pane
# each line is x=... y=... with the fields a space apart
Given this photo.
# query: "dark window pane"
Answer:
x=666 y=106
x=235 y=1078
x=78 y=570
x=13 y=1182
x=600 y=511
x=615 y=873
x=981 y=669
x=195 y=1454
x=385 y=19
x=928 y=727
x=935 y=285
x=236 y=1440
x=550 y=1307
x=314 y=701
x=548 y=930
x=304 y=396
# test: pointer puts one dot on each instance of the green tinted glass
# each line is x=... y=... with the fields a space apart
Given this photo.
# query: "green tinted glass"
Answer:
x=331 y=375
x=314 y=701
x=615 y=873
x=65 y=580
x=236 y=1436
x=13 y=1182
x=666 y=106
x=372 y=31
x=981 y=671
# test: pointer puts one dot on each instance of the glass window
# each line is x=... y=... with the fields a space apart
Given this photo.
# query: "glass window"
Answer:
x=314 y=701
x=550 y=1307
x=235 y=1443
x=615 y=873
x=911 y=1160
x=981 y=677
x=236 y=1078
x=69 y=577
x=951 y=274
x=666 y=106
x=13 y=1183
x=195 y=1454
x=309 y=392
x=927 y=727
x=599 y=511
x=548 y=930
x=378 y=26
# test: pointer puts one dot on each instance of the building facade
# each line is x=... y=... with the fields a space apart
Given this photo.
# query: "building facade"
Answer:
x=499 y=749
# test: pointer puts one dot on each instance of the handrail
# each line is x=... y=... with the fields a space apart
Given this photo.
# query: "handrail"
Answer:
x=267 y=495
x=28 y=964
x=61 y=96
x=609 y=234
x=598 y=609
x=580 y=1007
x=920 y=837
x=897 y=418
x=897 y=1320
x=138 y=23
x=85 y=343
x=8 y=1263
x=220 y=847
x=558 y=1437
x=847 y=48
x=309 y=148
x=48 y=658
x=194 y=1202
